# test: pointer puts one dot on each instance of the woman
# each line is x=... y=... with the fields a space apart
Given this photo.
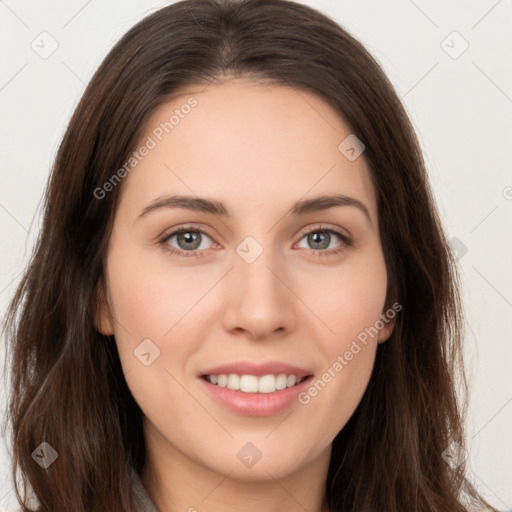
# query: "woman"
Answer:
x=180 y=341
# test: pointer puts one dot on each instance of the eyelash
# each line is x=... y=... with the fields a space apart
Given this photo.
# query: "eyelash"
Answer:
x=163 y=241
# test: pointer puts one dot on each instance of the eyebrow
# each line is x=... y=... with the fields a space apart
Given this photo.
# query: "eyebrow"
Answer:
x=298 y=208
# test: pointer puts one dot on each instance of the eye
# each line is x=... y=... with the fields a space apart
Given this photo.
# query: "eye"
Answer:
x=191 y=242
x=320 y=240
x=187 y=240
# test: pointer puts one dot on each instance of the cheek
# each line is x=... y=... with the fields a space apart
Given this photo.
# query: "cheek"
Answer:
x=348 y=357
x=153 y=307
x=349 y=304
x=149 y=300
x=151 y=303
x=348 y=300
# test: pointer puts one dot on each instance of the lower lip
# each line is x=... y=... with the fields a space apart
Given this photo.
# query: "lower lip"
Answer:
x=256 y=404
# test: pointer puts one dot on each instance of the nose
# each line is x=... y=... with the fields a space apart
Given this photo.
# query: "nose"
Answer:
x=260 y=300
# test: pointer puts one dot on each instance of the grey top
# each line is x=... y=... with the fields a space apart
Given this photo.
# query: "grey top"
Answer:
x=144 y=503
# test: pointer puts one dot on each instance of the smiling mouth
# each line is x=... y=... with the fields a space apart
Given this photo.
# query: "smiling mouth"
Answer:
x=253 y=384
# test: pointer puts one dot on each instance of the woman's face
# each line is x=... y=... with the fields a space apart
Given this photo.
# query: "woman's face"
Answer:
x=265 y=285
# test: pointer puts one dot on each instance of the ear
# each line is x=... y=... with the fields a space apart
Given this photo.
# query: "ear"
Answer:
x=103 y=316
x=388 y=327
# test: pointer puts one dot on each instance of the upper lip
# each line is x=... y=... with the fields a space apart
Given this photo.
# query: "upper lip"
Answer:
x=257 y=369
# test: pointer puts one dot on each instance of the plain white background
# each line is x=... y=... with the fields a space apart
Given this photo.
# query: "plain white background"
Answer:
x=459 y=99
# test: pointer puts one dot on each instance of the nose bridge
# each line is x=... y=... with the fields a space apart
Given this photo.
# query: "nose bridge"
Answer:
x=253 y=265
x=259 y=300
x=253 y=270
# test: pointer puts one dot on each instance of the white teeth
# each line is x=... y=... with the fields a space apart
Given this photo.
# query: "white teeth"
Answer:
x=233 y=381
x=281 y=381
x=267 y=384
x=291 y=380
x=253 y=384
x=249 y=383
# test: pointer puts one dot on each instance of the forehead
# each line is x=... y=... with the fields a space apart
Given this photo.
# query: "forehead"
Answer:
x=243 y=143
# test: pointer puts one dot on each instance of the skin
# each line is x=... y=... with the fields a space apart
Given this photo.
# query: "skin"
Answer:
x=257 y=148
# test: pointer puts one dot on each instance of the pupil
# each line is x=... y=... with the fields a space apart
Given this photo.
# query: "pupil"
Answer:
x=320 y=237
x=188 y=237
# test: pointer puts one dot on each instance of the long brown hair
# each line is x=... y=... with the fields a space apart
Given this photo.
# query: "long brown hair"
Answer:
x=67 y=385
